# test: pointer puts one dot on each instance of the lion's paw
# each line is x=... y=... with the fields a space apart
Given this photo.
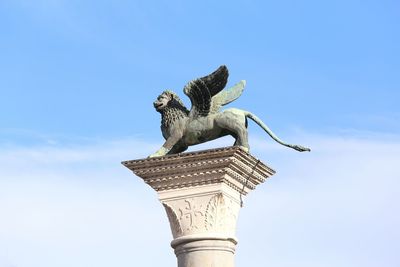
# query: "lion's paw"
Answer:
x=159 y=153
x=246 y=149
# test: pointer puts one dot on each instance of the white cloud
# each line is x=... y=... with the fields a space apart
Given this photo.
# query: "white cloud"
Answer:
x=77 y=206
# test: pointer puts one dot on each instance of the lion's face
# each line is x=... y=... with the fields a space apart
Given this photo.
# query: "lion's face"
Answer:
x=161 y=102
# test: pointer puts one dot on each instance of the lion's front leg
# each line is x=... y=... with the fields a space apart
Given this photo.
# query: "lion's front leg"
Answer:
x=167 y=146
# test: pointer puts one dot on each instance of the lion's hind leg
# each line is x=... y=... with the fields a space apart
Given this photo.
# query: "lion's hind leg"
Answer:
x=234 y=121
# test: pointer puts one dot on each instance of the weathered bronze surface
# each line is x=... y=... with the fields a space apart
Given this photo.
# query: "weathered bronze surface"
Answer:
x=204 y=122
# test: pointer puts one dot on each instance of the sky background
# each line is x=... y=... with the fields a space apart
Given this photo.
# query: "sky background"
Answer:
x=77 y=82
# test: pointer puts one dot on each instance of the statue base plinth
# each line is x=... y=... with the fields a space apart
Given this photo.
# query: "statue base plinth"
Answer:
x=202 y=194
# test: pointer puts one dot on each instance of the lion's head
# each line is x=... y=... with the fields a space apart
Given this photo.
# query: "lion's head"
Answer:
x=169 y=99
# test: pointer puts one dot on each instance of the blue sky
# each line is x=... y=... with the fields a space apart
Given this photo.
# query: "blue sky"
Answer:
x=77 y=82
x=81 y=68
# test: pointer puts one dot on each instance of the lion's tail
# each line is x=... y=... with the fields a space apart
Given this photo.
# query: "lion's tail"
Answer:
x=273 y=136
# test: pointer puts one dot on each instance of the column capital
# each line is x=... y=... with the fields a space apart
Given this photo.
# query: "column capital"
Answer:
x=202 y=193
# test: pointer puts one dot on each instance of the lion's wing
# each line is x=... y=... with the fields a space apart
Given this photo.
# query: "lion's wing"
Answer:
x=201 y=91
x=227 y=96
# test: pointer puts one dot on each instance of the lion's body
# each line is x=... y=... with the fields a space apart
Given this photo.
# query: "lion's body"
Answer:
x=191 y=132
x=180 y=131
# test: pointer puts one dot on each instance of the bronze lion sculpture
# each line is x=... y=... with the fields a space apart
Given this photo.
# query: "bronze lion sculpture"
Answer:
x=205 y=122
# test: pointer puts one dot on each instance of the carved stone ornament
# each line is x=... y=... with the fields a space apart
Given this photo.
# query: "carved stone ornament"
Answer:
x=221 y=214
x=173 y=221
x=191 y=214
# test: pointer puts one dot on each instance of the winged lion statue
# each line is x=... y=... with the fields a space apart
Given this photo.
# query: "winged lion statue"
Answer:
x=204 y=122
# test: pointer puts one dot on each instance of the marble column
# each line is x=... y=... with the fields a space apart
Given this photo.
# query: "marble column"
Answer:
x=202 y=194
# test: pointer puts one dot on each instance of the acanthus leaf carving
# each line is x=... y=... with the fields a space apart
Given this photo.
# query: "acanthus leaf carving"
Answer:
x=220 y=215
x=176 y=228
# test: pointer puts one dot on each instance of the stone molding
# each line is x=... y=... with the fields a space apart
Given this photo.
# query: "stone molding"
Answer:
x=231 y=165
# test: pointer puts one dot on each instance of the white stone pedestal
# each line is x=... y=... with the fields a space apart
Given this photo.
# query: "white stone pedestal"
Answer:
x=202 y=193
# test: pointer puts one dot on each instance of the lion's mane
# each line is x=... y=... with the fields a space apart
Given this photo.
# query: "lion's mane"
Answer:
x=175 y=109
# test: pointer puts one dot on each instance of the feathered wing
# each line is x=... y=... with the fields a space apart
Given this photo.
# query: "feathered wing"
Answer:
x=201 y=91
x=227 y=96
